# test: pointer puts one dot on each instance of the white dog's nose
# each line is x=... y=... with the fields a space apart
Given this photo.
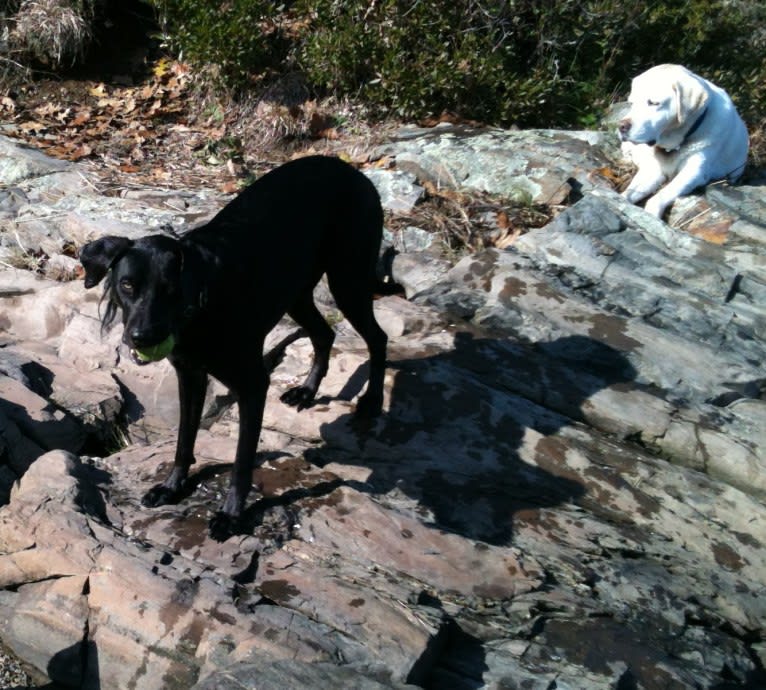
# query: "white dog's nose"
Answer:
x=624 y=126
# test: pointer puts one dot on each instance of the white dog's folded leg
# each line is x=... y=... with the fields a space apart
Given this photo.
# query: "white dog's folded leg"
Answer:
x=647 y=181
x=689 y=177
x=649 y=177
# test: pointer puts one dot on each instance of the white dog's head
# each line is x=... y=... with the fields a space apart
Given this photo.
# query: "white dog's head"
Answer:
x=665 y=104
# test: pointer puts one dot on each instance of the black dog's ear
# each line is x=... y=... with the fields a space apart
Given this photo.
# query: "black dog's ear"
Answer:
x=98 y=256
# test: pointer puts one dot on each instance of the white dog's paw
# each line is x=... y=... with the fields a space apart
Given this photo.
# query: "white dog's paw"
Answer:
x=656 y=206
x=634 y=195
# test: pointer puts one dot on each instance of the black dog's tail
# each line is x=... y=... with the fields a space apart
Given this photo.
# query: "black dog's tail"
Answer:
x=385 y=284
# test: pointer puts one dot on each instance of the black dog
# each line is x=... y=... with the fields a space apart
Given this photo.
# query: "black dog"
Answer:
x=220 y=289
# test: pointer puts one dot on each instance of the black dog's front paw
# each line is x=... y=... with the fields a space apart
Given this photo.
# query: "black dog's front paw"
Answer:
x=222 y=526
x=369 y=406
x=300 y=397
x=160 y=495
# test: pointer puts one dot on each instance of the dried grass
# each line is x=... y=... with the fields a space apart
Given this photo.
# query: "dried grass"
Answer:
x=55 y=32
x=757 y=158
x=281 y=118
x=11 y=72
x=470 y=221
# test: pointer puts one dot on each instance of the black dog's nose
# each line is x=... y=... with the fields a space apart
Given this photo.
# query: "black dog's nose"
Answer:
x=138 y=338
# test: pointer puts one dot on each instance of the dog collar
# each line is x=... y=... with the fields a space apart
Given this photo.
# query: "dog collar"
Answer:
x=691 y=131
x=696 y=125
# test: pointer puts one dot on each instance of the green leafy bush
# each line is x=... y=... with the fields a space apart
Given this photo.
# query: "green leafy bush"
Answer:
x=553 y=62
x=240 y=38
x=526 y=62
x=413 y=58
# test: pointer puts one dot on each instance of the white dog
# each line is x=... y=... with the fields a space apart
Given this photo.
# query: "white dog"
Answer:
x=680 y=129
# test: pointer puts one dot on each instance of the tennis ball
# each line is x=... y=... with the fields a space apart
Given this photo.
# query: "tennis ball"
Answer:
x=156 y=352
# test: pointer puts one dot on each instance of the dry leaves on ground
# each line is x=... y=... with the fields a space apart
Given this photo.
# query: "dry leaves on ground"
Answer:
x=151 y=130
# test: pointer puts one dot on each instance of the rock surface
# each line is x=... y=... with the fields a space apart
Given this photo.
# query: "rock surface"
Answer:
x=566 y=488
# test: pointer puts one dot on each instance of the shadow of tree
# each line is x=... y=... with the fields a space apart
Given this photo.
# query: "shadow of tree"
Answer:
x=454 y=435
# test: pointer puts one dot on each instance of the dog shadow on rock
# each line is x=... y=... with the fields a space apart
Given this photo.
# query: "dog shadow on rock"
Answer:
x=467 y=449
x=73 y=667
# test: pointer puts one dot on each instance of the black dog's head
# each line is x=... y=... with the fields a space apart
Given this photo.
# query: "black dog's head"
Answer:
x=143 y=280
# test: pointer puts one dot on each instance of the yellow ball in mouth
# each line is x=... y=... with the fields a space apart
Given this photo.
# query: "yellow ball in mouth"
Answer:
x=156 y=352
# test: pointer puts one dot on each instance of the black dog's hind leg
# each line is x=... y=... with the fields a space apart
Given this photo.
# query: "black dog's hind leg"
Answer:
x=251 y=395
x=192 y=385
x=306 y=315
x=356 y=304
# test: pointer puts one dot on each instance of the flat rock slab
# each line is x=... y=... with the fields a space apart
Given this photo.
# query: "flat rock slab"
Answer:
x=566 y=486
x=465 y=516
x=629 y=300
x=533 y=166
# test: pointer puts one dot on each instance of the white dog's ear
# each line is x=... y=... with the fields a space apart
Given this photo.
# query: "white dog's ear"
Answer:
x=691 y=99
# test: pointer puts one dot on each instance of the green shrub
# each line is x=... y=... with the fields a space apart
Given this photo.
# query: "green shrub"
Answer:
x=421 y=58
x=549 y=62
x=240 y=38
x=525 y=62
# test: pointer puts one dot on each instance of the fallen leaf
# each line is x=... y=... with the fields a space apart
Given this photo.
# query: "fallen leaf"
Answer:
x=63 y=114
x=79 y=152
x=32 y=126
x=99 y=91
x=56 y=151
x=161 y=67
x=99 y=127
x=331 y=134
x=439 y=191
x=217 y=133
x=137 y=154
x=81 y=118
x=608 y=173
x=113 y=103
x=47 y=109
x=181 y=68
x=156 y=106
x=507 y=238
x=147 y=92
x=8 y=103
x=160 y=173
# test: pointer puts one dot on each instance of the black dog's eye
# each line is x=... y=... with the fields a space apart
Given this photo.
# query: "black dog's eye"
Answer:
x=126 y=286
